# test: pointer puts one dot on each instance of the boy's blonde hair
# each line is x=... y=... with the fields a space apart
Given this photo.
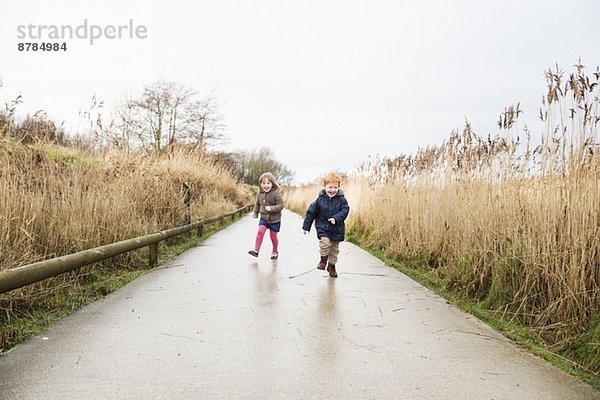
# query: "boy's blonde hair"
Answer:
x=332 y=177
x=269 y=177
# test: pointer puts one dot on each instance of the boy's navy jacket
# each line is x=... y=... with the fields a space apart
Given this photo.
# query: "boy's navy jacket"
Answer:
x=324 y=208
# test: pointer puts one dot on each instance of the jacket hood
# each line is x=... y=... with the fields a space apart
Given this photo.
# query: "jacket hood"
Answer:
x=338 y=194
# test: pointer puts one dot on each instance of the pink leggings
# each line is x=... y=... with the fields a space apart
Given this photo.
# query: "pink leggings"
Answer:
x=261 y=234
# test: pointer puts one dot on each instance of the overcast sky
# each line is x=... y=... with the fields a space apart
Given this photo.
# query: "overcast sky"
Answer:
x=324 y=84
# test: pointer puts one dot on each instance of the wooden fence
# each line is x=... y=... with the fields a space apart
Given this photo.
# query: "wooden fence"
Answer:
x=22 y=276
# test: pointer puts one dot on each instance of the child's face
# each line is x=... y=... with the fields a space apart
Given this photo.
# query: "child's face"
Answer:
x=331 y=189
x=265 y=185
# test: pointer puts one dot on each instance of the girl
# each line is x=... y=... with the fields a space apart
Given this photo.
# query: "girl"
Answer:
x=269 y=204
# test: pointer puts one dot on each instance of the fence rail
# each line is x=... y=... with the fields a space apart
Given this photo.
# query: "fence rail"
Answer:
x=22 y=276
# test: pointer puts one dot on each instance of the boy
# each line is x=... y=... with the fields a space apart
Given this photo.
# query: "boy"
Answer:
x=329 y=211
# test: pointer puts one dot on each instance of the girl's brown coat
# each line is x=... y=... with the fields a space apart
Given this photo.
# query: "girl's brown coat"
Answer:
x=271 y=198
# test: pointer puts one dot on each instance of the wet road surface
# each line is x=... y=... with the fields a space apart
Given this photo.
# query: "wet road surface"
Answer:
x=216 y=323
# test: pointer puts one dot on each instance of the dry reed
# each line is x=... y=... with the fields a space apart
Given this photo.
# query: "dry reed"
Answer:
x=512 y=224
x=56 y=202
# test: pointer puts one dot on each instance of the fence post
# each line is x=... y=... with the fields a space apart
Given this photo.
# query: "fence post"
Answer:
x=186 y=202
x=200 y=230
x=153 y=254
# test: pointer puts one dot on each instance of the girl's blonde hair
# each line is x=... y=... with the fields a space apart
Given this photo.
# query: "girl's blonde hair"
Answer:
x=269 y=177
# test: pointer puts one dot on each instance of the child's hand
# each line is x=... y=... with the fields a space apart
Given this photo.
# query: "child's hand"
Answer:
x=254 y=216
x=268 y=208
x=331 y=221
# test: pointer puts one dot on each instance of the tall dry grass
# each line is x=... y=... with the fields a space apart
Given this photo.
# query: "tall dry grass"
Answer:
x=55 y=201
x=506 y=220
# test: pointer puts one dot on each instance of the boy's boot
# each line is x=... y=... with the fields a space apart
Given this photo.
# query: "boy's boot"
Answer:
x=322 y=263
x=331 y=270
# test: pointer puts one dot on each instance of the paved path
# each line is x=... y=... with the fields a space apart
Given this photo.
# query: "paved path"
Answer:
x=216 y=323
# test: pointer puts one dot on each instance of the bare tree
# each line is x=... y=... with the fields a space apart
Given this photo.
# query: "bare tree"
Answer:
x=251 y=164
x=209 y=123
x=125 y=127
x=167 y=113
x=157 y=109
